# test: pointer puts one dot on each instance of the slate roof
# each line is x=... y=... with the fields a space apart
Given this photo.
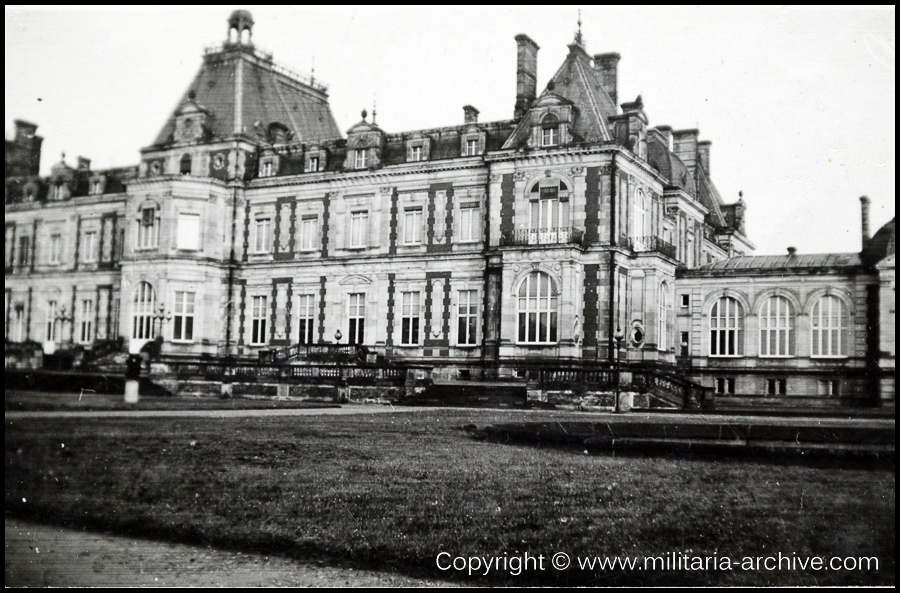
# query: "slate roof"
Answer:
x=579 y=83
x=750 y=263
x=882 y=244
x=268 y=94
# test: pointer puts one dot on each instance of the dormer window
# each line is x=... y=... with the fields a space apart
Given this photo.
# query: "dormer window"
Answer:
x=471 y=147
x=185 y=165
x=96 y=186
x=550 y=130
x=416 y=154
x=312 y=165
x=360 y=158
x=268 y=166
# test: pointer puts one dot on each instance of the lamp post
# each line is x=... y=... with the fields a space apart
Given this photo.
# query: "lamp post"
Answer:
x=618 y=337
x=337 y=342
x=162 y=317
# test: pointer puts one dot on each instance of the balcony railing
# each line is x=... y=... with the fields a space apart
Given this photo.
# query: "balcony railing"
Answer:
x=543 y=236
x=651 y=244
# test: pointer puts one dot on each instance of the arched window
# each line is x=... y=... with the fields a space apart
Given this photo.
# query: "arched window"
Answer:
x=144 y=300
x=725 y=320
x=662 y=319
x=776 y=327
x=829 y=327
x=550 y=130
x=548 y=219
x=185 y=167
x=538 y=303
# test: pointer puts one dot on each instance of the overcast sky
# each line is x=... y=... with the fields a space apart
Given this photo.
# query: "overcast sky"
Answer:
x=799 y=103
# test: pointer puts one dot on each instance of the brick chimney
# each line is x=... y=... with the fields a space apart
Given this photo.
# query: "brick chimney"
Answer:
x=666 y=132
x=526 y=74
x=864 y=203
x=607 y=65
x=685 y=148
x=471 y=114
x=703 y=150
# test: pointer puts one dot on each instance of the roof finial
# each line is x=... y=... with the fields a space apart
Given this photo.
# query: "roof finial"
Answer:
x=364 y=114
x=312 y=75
x=374 y=106
x=578 y=38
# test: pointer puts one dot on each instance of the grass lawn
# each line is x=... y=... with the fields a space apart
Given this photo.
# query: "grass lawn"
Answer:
x=31 y=401
x=392 y=491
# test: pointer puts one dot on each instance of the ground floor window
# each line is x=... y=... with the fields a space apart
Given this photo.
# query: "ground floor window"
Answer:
x=51 y=321
x=305 y=318
x=258 y=323
x=357 y=327
x=409 y=319
x=87 y=321
x=184 y=316
x=537 y=308
x=144 y=300
x=467 y=317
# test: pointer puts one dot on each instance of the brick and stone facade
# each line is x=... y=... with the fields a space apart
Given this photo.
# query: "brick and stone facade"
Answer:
x=252 y=223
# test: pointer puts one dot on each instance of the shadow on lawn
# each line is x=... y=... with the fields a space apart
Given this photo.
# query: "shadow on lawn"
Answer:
x=856 y=460
x=375 y=560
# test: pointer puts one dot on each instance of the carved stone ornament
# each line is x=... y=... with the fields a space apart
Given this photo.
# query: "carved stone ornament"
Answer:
x=520 y=175
x=385 y=191
x=576 y=171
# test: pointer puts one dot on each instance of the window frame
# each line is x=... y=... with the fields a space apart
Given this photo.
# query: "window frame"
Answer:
x=259 y=311
x=264 y=222
x=842 y=330
x=55 y=249
x=181 y=315
x=469 y=216
x=148 y=235
x=143 y=326
x=413 y=218
x=467 y=318
x=410 y=318
x=356 y=318
x=783 y=327
x=196 y=243
x=531 y=314
x=306 y=318
x=718 y=330
x=360 y=220
x=360 y=158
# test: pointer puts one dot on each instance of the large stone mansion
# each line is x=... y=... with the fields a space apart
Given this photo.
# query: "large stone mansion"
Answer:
x=253 y=223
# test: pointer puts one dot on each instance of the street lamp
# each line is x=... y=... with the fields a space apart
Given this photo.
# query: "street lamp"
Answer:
x=162 y=316
x=337 y=341
x=62 y=318
x=618 y=337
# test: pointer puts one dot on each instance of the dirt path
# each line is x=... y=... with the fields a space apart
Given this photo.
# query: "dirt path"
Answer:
x=42 y=556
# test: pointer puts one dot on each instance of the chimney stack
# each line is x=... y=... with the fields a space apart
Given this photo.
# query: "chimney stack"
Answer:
x=703 y=150
x=792 y=251
x=666 y=132
x=526 y=74
x=471 y=114
x=607 y=65
x=685 y=148
x=864 y=202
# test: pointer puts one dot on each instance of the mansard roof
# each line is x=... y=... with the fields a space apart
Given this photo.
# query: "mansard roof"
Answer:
x=242 y=89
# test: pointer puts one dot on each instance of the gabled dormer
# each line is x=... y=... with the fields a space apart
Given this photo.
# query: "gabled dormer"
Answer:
x=365 y=142
x=192 y=121
x=552 y=121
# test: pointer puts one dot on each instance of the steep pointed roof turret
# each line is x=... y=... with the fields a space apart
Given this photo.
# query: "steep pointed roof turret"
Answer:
x=239 y=85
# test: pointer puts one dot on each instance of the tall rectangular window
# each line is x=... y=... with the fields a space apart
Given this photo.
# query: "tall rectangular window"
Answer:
x=361 y=159
x=261 y=242
x=412 y=226
x=24 y=251
x=309 y=227
x=312 y=165
x=266 y=169
x=472 y=147
x=51 y=320
x=550 y=136
x=188 y=236
x=359 y=229
x=258 y=320
x=416 y=154
x=306 y=318
x=467 y=317
x=148 y=229
x=409 y=319
x=87 y=321
x=18 y=325
x=468 y=223
x=183 y=322
x=55 y=249
x=89 y=250
x=357 y=316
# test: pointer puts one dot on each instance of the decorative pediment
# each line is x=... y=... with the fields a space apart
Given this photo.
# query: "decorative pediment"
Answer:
x=355 y=280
